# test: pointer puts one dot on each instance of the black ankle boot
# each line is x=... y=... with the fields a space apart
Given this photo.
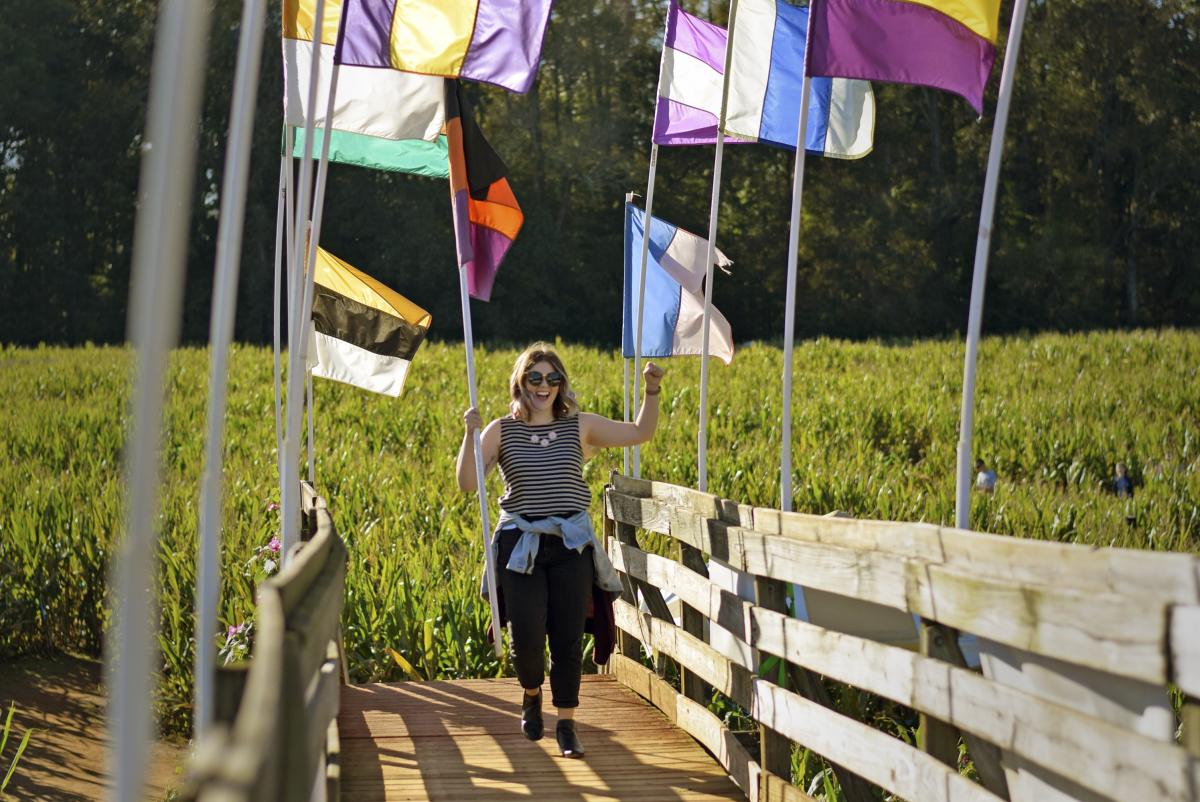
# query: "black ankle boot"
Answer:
x=531 y=716
x=568 y=739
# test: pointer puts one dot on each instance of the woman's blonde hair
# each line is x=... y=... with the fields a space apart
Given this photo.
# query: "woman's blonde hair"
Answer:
x=564 y=402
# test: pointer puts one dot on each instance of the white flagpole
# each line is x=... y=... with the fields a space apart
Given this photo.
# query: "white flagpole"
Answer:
x=789 y=320
x=280 y=213
x=156 y=291
x=962 y=506
x=304 y=257
x=224 y=309
x=625 y=404
x=702 y=435
x=641 y=307
x=489 y=566
x=312 y=464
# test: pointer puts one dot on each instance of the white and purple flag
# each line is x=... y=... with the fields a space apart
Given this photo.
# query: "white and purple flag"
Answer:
x=766 y=71
x=673 y=314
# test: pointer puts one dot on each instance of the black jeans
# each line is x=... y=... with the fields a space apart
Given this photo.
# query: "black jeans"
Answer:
x=551 y=601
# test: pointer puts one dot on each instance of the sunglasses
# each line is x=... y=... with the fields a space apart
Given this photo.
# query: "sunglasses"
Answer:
x=534 y=378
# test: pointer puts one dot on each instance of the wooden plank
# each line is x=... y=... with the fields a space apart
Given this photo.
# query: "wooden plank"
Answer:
x=306 y=564
x=1167 y=577
x=874 y=755
x=1095 y=753
x=632 y=751
x=936 y=737
x=1119 y=634
x=939 y=642
x=253 y=764
x=314 y=617
x=1184 y=642
x=692 y=621
x=775 y=750
x=333 y=768
x=695 y=720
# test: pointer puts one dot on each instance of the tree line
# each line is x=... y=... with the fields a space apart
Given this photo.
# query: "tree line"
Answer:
x=1097 y=224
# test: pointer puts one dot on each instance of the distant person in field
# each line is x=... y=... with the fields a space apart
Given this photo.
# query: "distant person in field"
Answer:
x=1122 y=485
x=549 y=564
x=985 y=478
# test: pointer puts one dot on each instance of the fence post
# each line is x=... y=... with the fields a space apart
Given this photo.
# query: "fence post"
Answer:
x=941 y=739
x=771 y=594
x=693 y=687
x=775 y=750
x=1191 y=725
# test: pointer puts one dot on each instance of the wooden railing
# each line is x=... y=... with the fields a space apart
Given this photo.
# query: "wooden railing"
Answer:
x=1077 y=649
x=277 y=737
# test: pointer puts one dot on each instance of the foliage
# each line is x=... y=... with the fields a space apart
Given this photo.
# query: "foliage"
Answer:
x=875 y=433
x=1097 y=219
x=16 y=758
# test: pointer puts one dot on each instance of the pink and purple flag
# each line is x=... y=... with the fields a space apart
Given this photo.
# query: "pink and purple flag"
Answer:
x=944 y=44
x=492 y=41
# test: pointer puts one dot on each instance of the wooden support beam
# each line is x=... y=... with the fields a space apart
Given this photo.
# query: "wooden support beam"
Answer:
x=1191 y=726
x=941 y=642
x=775 y=750
x=693 y=687
x=936 y=737
x=772 y=594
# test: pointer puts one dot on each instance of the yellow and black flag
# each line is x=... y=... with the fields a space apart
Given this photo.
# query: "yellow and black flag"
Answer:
x=364 y=334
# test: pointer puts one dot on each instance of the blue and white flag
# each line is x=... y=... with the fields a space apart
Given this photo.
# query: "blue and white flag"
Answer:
x=766 y=71
x=673 y=317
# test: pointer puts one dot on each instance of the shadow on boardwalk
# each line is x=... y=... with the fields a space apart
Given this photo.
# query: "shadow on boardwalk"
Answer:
x=461 y=741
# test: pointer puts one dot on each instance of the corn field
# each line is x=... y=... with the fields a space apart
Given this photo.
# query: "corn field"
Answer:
x=874 y=434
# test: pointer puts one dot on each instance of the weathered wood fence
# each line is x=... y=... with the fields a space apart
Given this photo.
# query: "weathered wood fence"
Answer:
x=276 y=737
x=1078 y=648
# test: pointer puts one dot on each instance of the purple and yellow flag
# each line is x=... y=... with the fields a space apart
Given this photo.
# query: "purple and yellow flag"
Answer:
x=486 y=214
x=492 y=41
x=944 y=44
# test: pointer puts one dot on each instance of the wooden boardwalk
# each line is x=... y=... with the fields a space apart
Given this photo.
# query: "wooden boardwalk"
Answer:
x=461 y=742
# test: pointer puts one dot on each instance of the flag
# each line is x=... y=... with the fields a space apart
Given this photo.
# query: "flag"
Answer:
x=486 y=215
x=766 y=73
x=364 y=334
x=944 y=44
x=673 y=313
x=690 y=80
x=413 y=156
x=493 y=41
x=379 y=103
x=764 y=103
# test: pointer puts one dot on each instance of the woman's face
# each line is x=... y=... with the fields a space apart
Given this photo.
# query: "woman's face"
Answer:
x=541 y=395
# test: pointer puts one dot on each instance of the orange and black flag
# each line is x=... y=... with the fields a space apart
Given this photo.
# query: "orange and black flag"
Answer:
x=486 y=215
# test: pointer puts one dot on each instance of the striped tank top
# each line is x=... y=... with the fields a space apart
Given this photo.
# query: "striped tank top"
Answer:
x=542 y=467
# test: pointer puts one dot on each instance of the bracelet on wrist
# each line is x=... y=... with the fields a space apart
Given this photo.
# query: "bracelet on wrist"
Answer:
x=655 y=391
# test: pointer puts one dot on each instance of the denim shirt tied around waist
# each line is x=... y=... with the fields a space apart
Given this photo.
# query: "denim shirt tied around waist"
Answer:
x=576 y=532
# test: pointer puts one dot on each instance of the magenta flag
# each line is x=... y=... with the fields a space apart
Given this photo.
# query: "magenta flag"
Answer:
x=901 y=42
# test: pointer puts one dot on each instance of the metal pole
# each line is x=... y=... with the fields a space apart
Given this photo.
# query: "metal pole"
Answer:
x=625 y=404
x=280 y=213
x=489 y=566
x=962 y=505
x=290 y=475
x=641 y=308
x=312 y=465
x=156 y=289
x=702 y=435
x=224 y=310
x=789 y=320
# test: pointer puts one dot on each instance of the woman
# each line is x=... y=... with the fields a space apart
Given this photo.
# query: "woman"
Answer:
x=547 y=555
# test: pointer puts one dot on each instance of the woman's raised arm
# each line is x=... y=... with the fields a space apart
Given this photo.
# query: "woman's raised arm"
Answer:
x=598 y=432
